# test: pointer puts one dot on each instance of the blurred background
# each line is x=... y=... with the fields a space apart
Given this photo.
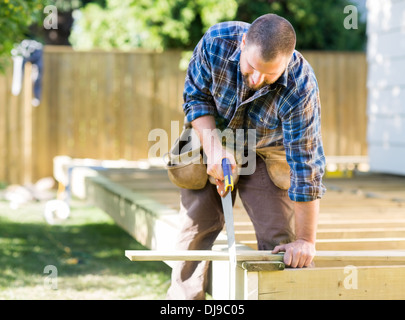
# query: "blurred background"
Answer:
x=111 y=71
x=83 y=84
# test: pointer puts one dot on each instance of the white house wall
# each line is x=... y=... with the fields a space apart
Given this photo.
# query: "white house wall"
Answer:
x=386 y=85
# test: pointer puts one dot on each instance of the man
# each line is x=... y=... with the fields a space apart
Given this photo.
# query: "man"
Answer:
x=244 y=76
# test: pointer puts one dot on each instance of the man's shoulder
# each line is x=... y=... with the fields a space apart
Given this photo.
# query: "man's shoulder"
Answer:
x=229 y=30
x=300 y=72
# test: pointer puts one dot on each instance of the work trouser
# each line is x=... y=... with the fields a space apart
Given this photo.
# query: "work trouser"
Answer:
x=269 y=208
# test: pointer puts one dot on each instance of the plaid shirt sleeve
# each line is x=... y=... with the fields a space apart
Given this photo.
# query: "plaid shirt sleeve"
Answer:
x=198 y=100
x=301 y=123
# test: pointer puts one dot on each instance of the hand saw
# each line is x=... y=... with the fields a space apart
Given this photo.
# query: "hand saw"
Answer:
x=226 y=198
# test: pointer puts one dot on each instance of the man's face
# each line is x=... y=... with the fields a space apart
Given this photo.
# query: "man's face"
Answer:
x=258 y=73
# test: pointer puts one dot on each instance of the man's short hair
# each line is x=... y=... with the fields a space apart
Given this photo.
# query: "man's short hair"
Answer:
x=273 y=35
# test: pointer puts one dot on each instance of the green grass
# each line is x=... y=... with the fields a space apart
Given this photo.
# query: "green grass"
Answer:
x=86 y=250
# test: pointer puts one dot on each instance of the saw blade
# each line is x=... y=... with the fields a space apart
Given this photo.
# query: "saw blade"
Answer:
x=230 y=231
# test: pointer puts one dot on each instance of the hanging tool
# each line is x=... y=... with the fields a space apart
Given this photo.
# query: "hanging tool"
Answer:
x=226 y=198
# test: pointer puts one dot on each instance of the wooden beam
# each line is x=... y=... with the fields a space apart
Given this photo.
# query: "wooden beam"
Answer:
x=361 y=244
x=262 y=255
x=349 y=244
x=27 y=127
x=337 y=233
x=361 y=255
x=347 y=233
x=199 y=255
x=349 y=282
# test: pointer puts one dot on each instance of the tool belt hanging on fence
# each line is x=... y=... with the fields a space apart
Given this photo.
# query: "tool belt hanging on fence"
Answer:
x=186 y=168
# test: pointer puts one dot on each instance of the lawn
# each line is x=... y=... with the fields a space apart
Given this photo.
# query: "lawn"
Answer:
x=79 y=258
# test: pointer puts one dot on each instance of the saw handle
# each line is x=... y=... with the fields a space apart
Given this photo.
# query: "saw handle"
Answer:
x=228 y=179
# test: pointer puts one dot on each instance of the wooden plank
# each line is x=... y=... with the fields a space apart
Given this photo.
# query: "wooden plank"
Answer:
x=340 y=233
x=345 y=233
x=381 y=282
x=152 y=224
x=14 y=162
x=361 y=255
x=350 y=244
x=52 y=96
x=263 y=255
x=65 y=89
x=27 y=126
x=361 y=244
x=251 y=288
x=361 y=223
x=200 y=255
x=4 y=94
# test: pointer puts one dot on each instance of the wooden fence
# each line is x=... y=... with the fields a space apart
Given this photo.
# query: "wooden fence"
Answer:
x=103 y=105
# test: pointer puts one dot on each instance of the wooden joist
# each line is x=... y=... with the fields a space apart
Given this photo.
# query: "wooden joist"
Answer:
x=200 y=255
x=262 y=255
x=349 y=244
x=339 y=233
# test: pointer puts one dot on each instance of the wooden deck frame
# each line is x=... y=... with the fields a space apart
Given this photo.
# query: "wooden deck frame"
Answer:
x=153 y=225
x=375 y=272
x=331 y=283
x=262 y=275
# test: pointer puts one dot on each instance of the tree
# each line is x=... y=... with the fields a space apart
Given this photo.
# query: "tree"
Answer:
x=152 y=24
x=15 y=18
x=164 y=24
x=319 y=24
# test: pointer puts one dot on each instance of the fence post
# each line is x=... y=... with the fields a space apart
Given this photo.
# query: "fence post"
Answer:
x=27 y=126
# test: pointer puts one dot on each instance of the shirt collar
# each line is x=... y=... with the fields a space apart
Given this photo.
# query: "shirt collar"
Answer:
x=283 y=78
x=235 y=55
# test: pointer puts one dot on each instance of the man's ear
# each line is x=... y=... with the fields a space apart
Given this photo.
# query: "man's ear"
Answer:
x=243 y=42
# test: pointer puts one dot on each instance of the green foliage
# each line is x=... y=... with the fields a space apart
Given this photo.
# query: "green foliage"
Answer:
x=15 y=18
x=113 y=27
x=318 y=23
x=151 y=24
x=164 y=24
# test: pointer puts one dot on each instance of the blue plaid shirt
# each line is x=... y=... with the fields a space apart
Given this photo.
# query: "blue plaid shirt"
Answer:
x=287 y=112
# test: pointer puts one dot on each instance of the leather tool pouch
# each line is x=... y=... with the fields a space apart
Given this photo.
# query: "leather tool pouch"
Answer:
x=277 y=166
x=184 y=162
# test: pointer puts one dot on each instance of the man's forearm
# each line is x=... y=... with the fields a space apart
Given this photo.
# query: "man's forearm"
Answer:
x=306 y=220
x=202 y=124
x=206 y=130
